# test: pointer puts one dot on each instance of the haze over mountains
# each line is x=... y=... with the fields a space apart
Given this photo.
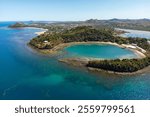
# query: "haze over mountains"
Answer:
x=136 y=24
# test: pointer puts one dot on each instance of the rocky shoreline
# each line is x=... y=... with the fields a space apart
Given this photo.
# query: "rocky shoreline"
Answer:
x=82 y=62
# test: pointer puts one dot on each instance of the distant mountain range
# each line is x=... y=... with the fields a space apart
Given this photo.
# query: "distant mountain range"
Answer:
x=138 y=24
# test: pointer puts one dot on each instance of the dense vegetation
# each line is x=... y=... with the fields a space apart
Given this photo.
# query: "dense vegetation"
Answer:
x=18 y=25
x=95 y=30
x=125 y=65
x=84 y=34
x=141 y=42
x=46 y=41
x=78 y=34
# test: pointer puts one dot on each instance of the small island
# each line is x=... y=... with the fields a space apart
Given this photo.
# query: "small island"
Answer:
x=51 y=43
x=18 y=25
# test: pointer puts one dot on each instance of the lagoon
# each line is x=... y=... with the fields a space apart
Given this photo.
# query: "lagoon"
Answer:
x=26 y=74
x=99 y=51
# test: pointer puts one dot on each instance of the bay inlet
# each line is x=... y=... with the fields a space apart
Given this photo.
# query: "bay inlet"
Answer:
x=25 y=74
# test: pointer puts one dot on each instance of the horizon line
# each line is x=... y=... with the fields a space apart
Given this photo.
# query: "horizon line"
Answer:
x=76 y=20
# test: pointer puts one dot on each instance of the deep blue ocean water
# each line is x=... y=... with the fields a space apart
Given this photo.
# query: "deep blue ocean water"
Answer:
x=26 y=74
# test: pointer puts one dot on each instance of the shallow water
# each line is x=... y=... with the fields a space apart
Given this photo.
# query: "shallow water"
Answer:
x=97 y=51
x=25 y=74
x=136 y=33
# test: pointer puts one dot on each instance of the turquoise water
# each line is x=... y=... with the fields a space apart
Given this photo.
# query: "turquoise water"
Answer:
x=99 y=51
x=25 y=74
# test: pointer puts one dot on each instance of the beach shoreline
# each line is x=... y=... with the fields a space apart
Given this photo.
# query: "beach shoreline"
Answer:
x=41 y=32
x=141 y=71
x=61 y=46
x=82 y=62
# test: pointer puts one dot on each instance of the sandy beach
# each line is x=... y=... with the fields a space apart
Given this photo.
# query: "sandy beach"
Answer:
x=41 y=32
x=59 y=47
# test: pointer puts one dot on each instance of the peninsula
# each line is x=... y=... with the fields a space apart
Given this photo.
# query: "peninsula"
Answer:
x=18 y=25
x=53 y=42
x=63 y=34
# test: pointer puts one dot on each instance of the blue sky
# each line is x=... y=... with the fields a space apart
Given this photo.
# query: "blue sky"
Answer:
x=73 y=10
